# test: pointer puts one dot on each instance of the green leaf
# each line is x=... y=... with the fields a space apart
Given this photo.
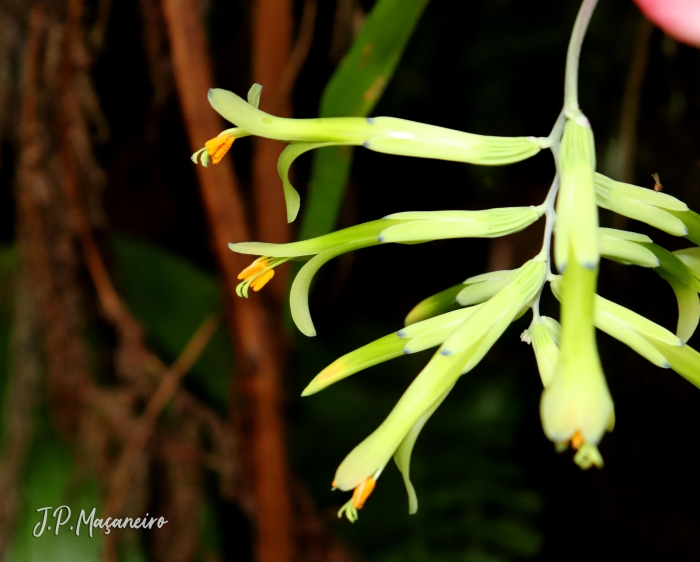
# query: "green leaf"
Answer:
x=171 y=297
x=353 y=90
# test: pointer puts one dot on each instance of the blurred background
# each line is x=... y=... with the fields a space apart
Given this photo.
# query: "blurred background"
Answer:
x=132 y=380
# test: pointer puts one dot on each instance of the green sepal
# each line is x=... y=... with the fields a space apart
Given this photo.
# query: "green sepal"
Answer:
x=465 y=224
x=624 y=247
x=439 y=303
x=545 y=336
x=366 y=233
x=233 y=108
x=577 y=213
x=378 y=351
x=288 y=155
x=504 y=306
x=691 y=258
x=684 y=360
x=609 y=188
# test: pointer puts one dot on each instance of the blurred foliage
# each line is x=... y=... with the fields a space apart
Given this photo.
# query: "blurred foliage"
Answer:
x=171 y=297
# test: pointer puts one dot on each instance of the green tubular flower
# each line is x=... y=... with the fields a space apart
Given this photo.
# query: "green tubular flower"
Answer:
x=381 y=134
x=544 y=334
x=577 y=407
x=441 y=225
x=461 y=351
x=577 y=213
x=659 y=210
x=625 y=248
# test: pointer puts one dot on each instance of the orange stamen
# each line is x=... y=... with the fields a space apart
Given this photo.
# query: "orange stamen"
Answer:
x=218 y=147
x=362 y=492
x=577 y=440
x=261 y=281
x=254 y=268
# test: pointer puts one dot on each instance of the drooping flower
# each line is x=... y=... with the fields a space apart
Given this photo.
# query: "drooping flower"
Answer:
x=382 y=134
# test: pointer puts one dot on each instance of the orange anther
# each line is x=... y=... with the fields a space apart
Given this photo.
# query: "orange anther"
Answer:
x=218 y=147
x=362 y=492
x=577 y=440
x=261 y=281
x=253 y=269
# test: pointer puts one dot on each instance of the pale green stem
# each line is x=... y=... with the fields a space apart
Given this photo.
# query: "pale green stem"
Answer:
x=571 y=107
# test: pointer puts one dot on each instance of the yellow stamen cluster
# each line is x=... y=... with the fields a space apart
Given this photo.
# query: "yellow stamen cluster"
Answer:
x=362 y=492
x=359 y=497
x=218 y=147
x=256 y=274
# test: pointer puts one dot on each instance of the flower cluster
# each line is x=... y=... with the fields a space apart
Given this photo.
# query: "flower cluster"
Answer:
x=463 y=322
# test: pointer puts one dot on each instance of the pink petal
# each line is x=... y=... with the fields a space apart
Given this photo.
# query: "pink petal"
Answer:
x=678 y=18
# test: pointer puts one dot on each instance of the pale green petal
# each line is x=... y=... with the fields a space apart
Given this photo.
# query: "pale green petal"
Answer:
x=688 y=307
x=289 y=154
x=444 y=301
x=254 y=95
x=402 y=456
x=378 y=351
x=299 y=293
